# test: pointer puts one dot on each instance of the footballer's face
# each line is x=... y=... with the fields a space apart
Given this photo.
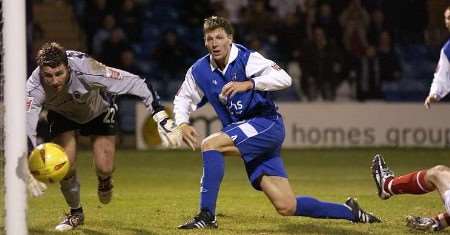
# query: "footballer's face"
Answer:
x=55 y=77
x=447 y=19
x=218 y=43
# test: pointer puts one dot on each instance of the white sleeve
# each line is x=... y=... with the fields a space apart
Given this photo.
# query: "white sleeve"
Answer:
x=187 y=98
x=441 y=81
x=266 y=74
x=35 y=98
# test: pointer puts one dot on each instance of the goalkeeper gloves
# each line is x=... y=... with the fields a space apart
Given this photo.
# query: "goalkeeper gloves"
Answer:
x=35 y=187
x=168 y=131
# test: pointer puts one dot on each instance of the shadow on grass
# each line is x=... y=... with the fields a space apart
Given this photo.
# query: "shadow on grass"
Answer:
x=119 y=226
x=278 y=225
x=133 y=231
x=80 y=230
x=320 y=229
x=304 y=229
x=91 y=232
x=140 y=231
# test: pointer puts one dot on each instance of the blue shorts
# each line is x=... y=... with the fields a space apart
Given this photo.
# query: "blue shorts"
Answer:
x=259 y=141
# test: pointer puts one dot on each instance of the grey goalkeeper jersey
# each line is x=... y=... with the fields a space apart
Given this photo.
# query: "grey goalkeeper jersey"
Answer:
x=87 y=93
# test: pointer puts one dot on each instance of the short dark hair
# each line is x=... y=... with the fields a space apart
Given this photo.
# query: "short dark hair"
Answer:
x=51 y=54
x=215 y=22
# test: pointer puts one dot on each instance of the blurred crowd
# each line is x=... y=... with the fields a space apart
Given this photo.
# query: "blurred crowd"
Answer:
x=335 y=50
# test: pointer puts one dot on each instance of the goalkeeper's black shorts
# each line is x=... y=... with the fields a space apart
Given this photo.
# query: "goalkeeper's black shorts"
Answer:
x=105 y=124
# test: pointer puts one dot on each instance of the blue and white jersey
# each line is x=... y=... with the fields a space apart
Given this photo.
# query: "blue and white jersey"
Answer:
x=441 y=81
x=204 y=82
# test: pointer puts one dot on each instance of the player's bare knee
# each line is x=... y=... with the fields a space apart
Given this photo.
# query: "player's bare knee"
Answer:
x=285 y=211
x=436 y=172
x=208 y=144
x=285 y=208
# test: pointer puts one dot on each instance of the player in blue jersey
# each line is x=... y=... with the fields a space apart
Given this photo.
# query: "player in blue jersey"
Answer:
x=236 y=82
x=425 y=180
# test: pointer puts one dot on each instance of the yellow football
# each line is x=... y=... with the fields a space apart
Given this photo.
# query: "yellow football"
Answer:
x=48 y=163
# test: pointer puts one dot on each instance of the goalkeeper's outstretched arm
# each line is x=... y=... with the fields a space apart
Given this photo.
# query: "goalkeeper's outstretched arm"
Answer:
x=35 y=96
x=120 y=82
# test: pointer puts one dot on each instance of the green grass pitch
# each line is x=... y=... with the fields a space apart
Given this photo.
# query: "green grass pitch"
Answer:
x=157 y=190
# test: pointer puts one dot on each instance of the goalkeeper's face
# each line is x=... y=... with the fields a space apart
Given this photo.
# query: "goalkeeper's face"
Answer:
x=218 y=43
x=55 y=77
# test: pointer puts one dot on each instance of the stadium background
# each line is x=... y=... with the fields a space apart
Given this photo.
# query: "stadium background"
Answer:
x=336 y=51
x=377 y=53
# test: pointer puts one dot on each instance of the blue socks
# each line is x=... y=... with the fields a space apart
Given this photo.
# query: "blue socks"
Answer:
x=311 y=207
x=213 y=170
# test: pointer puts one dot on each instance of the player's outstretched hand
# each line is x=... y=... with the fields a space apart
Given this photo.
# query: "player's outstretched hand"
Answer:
x=168 y=131
x=35 y=187
x=429 y=100
x=190 y=135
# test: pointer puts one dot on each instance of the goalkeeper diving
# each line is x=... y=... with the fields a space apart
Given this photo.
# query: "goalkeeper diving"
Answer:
x=79 y=94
